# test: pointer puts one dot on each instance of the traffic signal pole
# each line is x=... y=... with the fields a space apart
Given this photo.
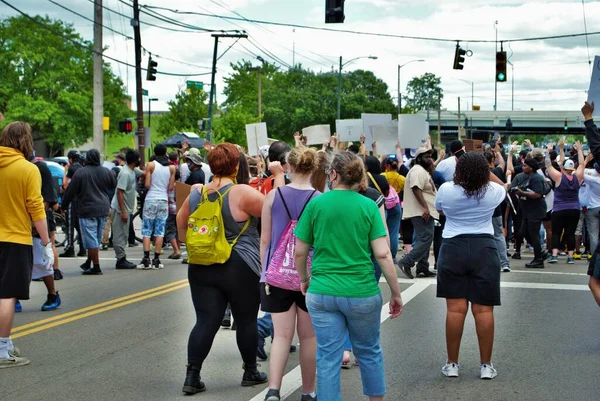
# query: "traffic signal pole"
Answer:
x=138 y=80
x=98 y=107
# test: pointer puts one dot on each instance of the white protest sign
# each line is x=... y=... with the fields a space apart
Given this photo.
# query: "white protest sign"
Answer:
x=385 y=138
x=317 y=134
x=349 y=130
x=373 y=119
x=256 y=135
x=108 y=164
x=594 y=92
x=411 y=130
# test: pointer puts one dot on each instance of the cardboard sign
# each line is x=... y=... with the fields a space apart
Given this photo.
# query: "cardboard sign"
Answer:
x=373 y=119
x=349 y=130
x=594 y=92
x=317 y=134
x=412 y=130
x=182 y=191
x=386 y=137
x=256 y=136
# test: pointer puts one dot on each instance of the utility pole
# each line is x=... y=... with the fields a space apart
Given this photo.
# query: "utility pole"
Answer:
x=138 y=80
x=495 y=79
x=458 y=119
x=339 y=92
x=399 y=94
x=212 y=79
x=98 y=138
x=439 y=129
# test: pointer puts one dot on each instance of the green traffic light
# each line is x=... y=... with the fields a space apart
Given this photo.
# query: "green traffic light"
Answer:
x=566 y=127
x=501 y=77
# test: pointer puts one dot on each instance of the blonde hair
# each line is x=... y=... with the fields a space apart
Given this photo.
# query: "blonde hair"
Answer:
x=17 y=135
x=351 y=170
x=302 y=160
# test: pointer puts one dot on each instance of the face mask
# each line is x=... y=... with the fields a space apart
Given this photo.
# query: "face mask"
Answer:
x=287 y=176
x=190 y=166
x=329 y=183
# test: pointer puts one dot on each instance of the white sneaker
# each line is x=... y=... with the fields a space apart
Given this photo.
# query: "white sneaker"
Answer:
x=450 y=369
x=506 y=269
x=487 y=371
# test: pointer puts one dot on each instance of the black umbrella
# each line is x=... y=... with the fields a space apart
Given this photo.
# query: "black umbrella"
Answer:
x=179 y=138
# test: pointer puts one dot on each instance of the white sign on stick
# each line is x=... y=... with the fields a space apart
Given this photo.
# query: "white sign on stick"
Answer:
x=256 y=135
x=349 y=130
x=412 y=130
x=373 y=119
x=594 y=92
x=317 y=134
x=385 y=137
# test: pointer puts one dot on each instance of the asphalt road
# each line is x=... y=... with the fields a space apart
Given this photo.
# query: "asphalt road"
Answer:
x=123 y=336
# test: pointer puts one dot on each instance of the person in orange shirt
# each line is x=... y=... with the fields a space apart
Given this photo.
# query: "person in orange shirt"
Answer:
x=20 y=204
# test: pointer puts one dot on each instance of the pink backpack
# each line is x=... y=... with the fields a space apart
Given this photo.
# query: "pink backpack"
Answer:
x=281 y=269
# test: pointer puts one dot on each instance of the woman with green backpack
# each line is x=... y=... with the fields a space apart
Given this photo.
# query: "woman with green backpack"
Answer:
x=219 y=223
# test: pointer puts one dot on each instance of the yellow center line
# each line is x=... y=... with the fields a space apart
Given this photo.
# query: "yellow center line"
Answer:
x=100 y=305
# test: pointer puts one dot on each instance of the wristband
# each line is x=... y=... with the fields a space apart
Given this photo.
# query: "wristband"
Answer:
x=306 y=280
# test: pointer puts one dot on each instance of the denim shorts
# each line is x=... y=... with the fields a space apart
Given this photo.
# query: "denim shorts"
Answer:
x=155 y=216
x=92 y=230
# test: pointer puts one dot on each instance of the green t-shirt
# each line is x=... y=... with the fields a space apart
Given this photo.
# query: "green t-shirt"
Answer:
x=341 y=224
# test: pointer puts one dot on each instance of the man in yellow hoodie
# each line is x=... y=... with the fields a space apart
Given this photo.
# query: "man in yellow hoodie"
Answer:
x=20 y=204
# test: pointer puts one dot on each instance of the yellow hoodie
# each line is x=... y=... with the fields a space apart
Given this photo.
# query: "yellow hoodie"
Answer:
x=20 y=198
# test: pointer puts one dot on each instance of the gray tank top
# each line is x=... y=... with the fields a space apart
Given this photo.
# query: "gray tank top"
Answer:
x=248 y=244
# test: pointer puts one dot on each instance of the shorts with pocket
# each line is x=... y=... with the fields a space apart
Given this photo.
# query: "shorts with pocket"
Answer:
x=16 y=263
x=154 y=217
x=92 y=230
x=469 y=268
x=280 y=300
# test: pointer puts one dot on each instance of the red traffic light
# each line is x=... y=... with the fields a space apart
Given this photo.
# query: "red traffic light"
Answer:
x=125 y=126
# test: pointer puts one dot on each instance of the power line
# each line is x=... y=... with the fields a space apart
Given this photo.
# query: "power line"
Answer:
x=389 y=35
x=87 y=47
x=268 y=53
x=88 y=19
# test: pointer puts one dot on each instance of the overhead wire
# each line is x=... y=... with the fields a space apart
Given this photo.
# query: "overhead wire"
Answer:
x=89 y=19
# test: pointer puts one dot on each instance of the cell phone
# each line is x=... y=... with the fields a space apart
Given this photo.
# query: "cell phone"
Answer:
x=392 y=156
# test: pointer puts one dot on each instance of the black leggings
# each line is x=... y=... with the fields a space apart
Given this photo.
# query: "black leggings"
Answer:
x=564 y=220
x=212 y=288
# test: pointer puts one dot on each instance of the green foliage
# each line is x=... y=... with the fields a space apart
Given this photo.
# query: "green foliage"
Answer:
x=47 y=80
x=298 y=98
x=423 y=92
x=184 y=113
x=231 y=126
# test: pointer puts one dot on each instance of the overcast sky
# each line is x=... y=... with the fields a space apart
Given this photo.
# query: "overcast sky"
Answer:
x=549 y=75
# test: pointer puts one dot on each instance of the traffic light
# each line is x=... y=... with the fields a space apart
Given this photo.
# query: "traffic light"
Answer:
x=125 y=126
x=459 y=58
x=501 y=66
x=566 y=125
x=151 y=73
x=334 y=11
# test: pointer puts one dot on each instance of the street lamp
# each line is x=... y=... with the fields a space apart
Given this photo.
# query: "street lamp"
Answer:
x=472 y=91
x=399 y=95
x=512 y=66
x=150 y=100
x=339 y=93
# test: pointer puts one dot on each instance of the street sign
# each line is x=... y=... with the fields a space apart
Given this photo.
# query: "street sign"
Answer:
x=194 y=84
x=144 y=92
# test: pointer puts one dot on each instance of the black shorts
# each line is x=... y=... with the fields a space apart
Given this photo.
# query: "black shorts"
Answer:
x=594 y=265
x=469 y=268
x=171 y=228
x=280 y=300
x=51 y=222
x=16 y=264
x=548 y=216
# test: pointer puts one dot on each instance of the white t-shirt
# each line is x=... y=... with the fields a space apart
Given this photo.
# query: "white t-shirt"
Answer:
x=207 y=173
x=447 y=167
x=592 y=182
x=468 y=215
x=184 y=172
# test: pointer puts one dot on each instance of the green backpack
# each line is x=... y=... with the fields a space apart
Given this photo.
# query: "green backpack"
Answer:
x=206 y=241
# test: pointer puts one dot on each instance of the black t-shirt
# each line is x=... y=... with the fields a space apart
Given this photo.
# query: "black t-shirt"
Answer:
x=375 y=196
x=403 y=170
x=196 y=177
x=72 y=169
x=498 y=172
x=48 y=192
x=382 y=182
x=534 y=208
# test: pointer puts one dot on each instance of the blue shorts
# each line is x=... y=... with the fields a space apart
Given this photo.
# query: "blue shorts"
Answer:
x=154 y=217
x=92 y=230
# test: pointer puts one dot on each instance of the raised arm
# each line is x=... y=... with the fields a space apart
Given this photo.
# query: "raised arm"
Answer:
x=399 y=153
x=441 y=155
x=561 y=149
x=591 y=131
x=510 y=167
x=552 y=172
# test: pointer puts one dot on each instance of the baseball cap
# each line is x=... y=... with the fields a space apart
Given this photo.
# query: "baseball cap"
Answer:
x=194 y=156
x=422 y=150
x=569 y=165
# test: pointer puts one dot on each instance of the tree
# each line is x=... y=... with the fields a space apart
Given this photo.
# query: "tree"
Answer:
x=184 y=113
x=423 y=92
x=231 y=125
x=47 y=80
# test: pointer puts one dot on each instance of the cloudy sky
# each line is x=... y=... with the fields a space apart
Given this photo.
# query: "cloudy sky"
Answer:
x=549 y=74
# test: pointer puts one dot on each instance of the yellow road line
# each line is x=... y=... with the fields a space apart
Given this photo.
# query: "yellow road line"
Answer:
x=97 y=311
x=96 y=306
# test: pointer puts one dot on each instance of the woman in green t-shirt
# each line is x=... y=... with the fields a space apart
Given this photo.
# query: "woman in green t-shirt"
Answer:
x=344 y=227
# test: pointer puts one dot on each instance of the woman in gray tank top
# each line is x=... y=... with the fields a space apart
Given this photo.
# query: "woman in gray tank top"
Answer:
x=235 y=281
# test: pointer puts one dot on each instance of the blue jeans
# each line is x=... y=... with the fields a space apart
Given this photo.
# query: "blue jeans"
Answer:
x=265 y=326
x=335 y=317
x=419 y=253
x=392 y=218
x=92 y=230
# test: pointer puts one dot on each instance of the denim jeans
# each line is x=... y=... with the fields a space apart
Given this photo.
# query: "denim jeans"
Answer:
x=393 y=217
x=265 y=326
x=500 y=241
x=91 y=231
x=419 y=253
x=335 y=317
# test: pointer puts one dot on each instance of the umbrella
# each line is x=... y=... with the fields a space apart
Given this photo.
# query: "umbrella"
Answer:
x=179 y=138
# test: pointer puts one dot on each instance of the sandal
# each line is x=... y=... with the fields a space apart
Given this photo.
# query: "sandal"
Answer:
x=173 y=256
x=346 y=363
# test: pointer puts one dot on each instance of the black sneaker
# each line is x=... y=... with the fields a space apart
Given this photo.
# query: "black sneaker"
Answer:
x=516 y=255
x=252 y=376
x=86 y=265
x=272 y=395
x=234 y=326
x=535 y=264
x=144 y=264
x=82 y=253
x=425 y=273
x=94 y=271
x=124 y=264
x=260 y=349
x=157 y=264
x=58 y=274
x=226 y=322
x=68 y=253
x=407 y=272
x=104 y=247
x=193 y=384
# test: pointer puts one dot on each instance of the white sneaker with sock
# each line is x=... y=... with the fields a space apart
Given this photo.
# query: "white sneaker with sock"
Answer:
x=450 y=369
x=487 y=371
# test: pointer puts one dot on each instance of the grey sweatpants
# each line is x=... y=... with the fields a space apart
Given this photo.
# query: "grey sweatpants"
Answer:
x=120 y=232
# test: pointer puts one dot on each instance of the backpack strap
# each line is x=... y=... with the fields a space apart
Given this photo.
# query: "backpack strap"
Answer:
x=306 y=204
x=284 y=204
x=374 y=182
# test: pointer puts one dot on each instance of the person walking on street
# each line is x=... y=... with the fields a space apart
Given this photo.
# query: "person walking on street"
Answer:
x=122 y=207
x=22 y=180
x=160 y=179
x=491 y=157
x=90 y=186
x=419 y=197
x=71 y=215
